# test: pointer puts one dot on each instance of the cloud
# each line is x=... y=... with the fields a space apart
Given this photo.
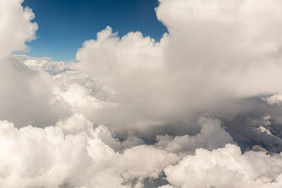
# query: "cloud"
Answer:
x=16 y=27
x=49 y=157
x=131 y=111
x=26 y=96
x=274 y=99
x=79 y=123
x=211 y=136
x=75 y=154
x=215 y=57
x=226 y=167
x=121 y=66
x=43 y=64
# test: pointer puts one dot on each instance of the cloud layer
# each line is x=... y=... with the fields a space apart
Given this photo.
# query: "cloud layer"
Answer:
x=133 y=112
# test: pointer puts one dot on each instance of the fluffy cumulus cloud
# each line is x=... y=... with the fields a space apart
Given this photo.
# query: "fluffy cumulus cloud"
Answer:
x=226 y=167
x=199 y=108
x=211 y=136
x=16 y=27
x=26 y=96
x=58 y=157
x=216 y=56
x=274 y=99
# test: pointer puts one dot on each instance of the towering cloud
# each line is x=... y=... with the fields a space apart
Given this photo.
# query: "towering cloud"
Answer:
x=216 y=56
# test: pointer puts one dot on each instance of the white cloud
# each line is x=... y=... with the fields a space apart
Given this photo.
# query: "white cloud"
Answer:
x=26 y=96
x=125 y=92
x=43 y=64
x=34 y=157
x=211 y=136
x=274 y=99
x=227 y=167
x=16 y=27
x=216 y=56
x=79 y=123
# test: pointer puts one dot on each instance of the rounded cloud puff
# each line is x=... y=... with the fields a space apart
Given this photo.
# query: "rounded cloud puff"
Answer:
x=227 y=167
x=34 y=157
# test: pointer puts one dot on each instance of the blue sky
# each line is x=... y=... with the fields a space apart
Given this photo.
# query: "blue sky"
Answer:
x=65 y=24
